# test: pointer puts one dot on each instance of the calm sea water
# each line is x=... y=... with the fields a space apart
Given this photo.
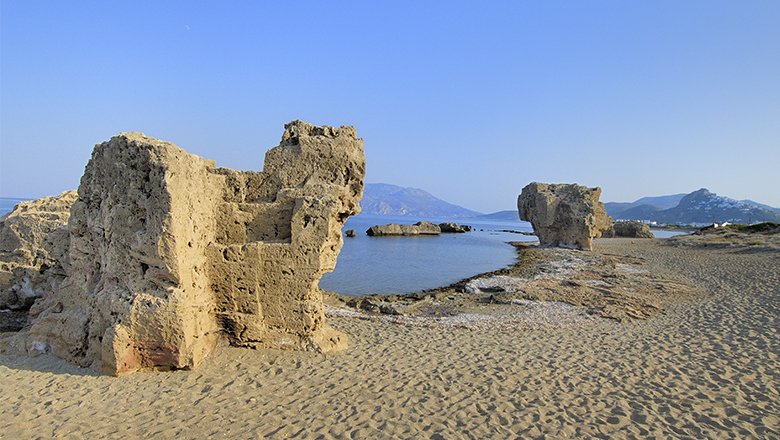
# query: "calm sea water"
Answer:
x=7 y=204
x=391 y=265
x=666 y=233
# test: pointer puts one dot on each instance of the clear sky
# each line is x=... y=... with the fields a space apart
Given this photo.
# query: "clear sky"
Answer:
x=468 y=100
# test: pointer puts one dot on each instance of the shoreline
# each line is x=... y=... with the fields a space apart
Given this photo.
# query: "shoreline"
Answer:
x=422 y=294
x=539 y=276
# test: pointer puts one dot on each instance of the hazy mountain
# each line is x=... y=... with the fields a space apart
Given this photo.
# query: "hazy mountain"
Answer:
x=615 y=208
x=659 y=202
x=384 y=199
x=509 y=215
x=700 y=206
x=761 y=205
x=637 y=212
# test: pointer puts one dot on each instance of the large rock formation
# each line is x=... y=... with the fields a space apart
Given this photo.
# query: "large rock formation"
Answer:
x=565 y=215
x=629 y=229
x=168 y=252
x=393 y=229
x=33 y=238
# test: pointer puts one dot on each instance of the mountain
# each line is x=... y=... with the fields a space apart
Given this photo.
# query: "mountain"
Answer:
x=701 y=206
x=761 y=205
x=660 y=202
x=384 y=199
x=510 y=215
x=637 y=212
x=615 y=208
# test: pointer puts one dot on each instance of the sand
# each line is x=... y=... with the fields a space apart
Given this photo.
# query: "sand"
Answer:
x=704 y=367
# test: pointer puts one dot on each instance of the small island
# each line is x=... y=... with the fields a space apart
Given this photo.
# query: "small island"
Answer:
x=419 y=228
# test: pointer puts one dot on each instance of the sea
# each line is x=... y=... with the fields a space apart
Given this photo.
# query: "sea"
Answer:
x=7 y=204
x=398 y=265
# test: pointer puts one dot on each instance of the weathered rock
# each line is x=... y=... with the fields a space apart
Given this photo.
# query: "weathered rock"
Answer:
x=630 y=229
x=168 y=252
x=450 y=227
x=393 y=229
x=12 y=320
x=565 y=215
x=33 y=238
x=349 y=233
x=373 y=306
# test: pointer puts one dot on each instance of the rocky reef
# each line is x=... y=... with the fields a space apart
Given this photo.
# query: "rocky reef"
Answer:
x=168 y=253
x=419 y=228
x=393 y=229
x=628 y=229
x=564 y=215
x=453 y=228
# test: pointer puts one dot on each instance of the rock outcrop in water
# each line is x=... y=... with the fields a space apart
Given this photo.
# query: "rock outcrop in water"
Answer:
x=453 y=228
x=393 y=229
x=33 y=238
x=565 y=215
x=168 y=252
x=628 y=229
x=419 y=228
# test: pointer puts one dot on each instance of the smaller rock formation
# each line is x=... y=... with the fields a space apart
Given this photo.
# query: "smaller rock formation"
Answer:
x=450 y=227
x=628 y=229
x=33 y=237
x=564 y=215
x=349 y=233
x=394 y=229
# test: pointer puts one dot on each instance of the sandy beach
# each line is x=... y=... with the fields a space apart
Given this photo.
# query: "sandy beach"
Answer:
x=706 y=366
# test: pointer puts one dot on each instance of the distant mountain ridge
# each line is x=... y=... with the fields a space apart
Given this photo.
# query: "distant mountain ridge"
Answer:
x=698 y=207
x=660 y=202
x=508 y=215
x=386 y=199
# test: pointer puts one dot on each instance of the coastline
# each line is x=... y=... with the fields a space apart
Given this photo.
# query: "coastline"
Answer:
x=539 y=276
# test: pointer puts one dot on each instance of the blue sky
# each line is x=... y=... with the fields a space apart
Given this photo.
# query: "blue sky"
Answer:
x=468 y=100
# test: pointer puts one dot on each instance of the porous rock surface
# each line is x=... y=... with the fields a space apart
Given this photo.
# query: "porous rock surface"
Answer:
x=33 y=238
x=168 y=252
x=628 y=229
x=394 y=229
x=564 y=215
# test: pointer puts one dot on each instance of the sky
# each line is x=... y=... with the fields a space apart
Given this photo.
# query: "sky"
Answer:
x=470 y=101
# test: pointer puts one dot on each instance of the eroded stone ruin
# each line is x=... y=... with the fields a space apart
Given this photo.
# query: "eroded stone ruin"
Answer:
x=565 y=215
x=167 y=252
x=33 y=238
